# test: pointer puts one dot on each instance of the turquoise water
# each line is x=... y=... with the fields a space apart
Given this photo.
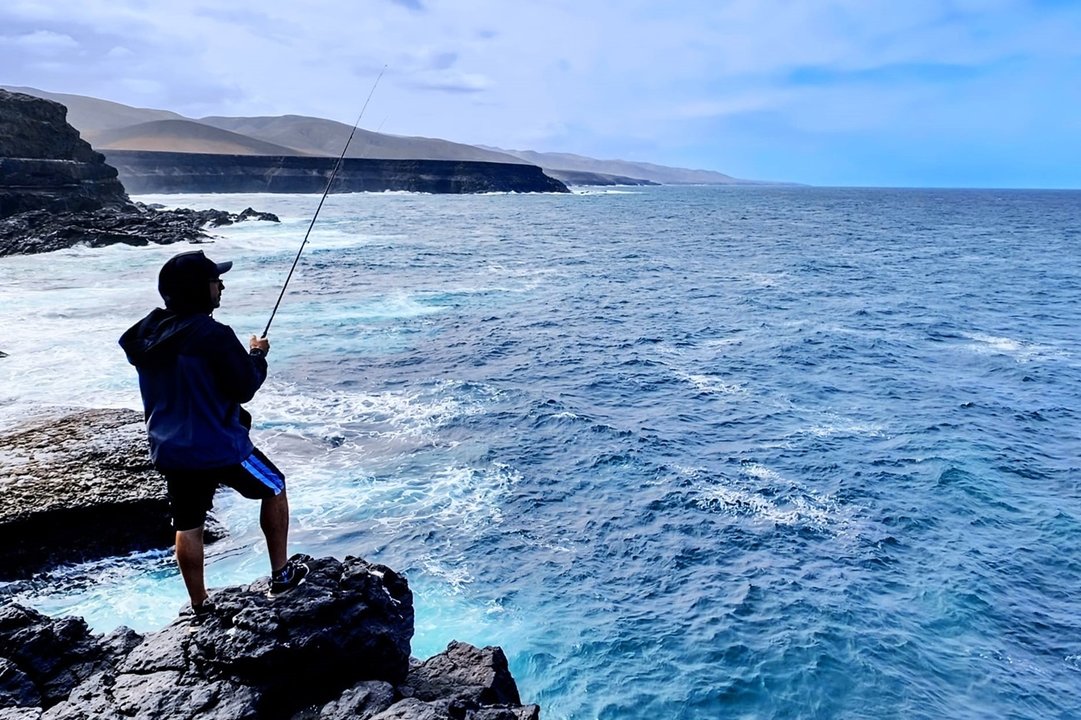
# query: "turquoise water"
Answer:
x=682 y=452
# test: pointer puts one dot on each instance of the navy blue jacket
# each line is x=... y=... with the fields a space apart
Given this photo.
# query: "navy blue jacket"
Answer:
x=193 y=374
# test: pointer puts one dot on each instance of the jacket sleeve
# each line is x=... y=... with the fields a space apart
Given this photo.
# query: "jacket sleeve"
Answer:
x=238 y=373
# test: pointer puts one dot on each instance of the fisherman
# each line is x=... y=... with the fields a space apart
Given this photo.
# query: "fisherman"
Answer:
x=193 y=375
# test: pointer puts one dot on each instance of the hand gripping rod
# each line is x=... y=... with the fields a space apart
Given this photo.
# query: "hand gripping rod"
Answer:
x=330 y=182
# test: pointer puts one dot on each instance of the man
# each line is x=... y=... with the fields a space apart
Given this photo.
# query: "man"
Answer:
x=193 y=375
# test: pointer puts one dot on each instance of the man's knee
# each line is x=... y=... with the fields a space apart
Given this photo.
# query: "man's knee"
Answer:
x=189 y=537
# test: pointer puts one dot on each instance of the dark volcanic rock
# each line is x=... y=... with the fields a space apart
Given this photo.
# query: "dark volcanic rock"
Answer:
x=45 y=659
x=466 y=674
x=45 y=165
x=164 y=172
x=56 y=192
x=321 y=638
x=336 y=647
x=462 y=681
x=40 y=231
x=365 y=699
x=79 y=486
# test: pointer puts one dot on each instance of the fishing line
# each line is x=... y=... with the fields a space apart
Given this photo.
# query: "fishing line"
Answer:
x=330 y=182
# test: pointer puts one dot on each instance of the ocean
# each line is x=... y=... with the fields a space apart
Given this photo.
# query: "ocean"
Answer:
x=683 y=452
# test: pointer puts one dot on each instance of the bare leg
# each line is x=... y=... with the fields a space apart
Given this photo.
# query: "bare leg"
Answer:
x=189 y=556
x=274 y=521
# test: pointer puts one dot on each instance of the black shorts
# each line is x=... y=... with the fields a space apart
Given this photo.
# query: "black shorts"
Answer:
x=191 y=492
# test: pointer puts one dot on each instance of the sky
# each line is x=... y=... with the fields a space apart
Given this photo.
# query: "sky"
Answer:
x=902 y=93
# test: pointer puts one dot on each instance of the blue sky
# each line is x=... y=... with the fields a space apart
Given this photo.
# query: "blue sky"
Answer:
x=946 y=93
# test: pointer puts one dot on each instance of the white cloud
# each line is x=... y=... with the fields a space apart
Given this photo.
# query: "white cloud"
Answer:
x=31 y=10
x=552 y=74
x=451 y=81
x=119 y=53
x=42 y=42
x=735 y=104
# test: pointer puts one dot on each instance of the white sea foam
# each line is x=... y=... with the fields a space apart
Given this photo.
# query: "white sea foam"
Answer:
x=412 y=412
x=787 y=503
x=766 y=280
x=800 y=511
x=722 y=342
x=1022 y=351
x=468 y=497
x=124 y=591
x=999 y=344
x=712 y=384
x=832 y=425
x=454 y=576
x=762 y=472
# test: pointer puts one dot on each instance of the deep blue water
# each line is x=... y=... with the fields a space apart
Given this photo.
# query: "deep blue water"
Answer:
x=682 y=452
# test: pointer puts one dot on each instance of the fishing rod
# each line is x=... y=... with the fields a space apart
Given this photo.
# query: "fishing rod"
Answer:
x=330 y=182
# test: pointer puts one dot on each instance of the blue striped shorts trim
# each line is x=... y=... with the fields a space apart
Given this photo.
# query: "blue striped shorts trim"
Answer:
x=264 y=471
x=191 y=492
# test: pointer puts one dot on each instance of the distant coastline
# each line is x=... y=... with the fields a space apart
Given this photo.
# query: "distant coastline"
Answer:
x=144 y=172
x=113 y=127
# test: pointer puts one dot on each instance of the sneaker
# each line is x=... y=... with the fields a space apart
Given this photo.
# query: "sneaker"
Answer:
x=288 y=577
x=197 y=614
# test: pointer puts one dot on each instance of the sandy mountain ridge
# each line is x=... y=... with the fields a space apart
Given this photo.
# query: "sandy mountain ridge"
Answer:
x=113 y=126
x=184 y=136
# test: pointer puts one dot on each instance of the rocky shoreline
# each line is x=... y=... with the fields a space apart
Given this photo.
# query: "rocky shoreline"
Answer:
x=77 y=485
x=57 y=192
x=42 y=231
x=335 y=647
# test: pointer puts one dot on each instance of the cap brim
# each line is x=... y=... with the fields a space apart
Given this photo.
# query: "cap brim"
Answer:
x=224 y=267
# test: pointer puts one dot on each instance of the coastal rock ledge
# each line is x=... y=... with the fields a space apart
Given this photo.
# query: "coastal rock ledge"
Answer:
x=335 y=647
x=78 y=485
x=57 y=192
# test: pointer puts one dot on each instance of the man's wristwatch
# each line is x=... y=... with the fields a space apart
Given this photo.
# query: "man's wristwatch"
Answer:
x=257 y=352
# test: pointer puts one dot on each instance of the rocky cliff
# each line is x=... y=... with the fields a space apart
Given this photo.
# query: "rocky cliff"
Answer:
x=168 y=172
x=45 y=165
x=56 y=192
x=336 y=647
x=78 y=484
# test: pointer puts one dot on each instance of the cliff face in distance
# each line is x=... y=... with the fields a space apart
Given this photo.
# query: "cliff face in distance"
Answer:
x=56 y=192
x=44 y=165
x=114 y=126
x=169 y=172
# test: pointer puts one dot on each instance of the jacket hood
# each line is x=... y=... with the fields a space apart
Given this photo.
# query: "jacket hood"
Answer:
x=158 y=337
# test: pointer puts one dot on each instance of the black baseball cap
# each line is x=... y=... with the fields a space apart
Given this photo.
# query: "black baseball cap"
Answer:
x=182 y=282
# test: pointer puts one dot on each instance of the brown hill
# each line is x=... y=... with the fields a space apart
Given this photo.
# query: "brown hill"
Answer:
x=88 y=115
x=569 y=165
x=317 y=136
x=184 y=136
x=301 y=135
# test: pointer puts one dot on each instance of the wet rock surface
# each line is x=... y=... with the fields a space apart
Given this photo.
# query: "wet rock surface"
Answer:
x=335 y=647
x=78 y=485
x=43 y=231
